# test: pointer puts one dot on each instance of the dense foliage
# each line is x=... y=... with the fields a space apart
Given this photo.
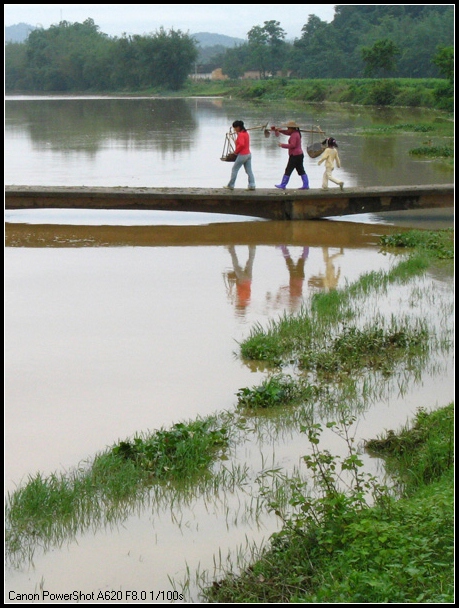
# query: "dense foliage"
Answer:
x=389 y=40
x=77 y=57
x=412 y=41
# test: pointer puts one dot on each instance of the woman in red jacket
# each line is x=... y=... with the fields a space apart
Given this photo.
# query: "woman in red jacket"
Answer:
x=295 y=155
x=244 y=157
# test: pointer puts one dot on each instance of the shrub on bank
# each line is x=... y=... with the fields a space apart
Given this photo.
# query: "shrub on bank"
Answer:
x=412 y=92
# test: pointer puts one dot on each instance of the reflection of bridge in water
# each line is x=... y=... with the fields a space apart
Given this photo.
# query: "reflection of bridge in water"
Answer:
x=314 y=233
x=263 y=203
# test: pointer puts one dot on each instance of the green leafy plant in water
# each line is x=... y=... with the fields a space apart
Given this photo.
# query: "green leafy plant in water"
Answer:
x=338 y=495
x=372 y=348
x=439 y=243
x=346 y=539
x=274 y=391
x=433 y=151
x=183 y=449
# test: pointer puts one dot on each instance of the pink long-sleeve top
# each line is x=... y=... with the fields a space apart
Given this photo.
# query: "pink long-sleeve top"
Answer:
x=242 y=143
x=294 y=143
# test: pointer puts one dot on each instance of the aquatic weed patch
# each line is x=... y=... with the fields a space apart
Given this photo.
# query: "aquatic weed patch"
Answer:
x=439 y=243
x=373 y=348
x=407 y=127
x=276 y=390
x=48 y=509
x=433 y=151
x=182 y=450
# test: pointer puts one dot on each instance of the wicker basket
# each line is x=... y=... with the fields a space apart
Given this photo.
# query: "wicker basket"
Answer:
x=229 y=158
x=315 y=150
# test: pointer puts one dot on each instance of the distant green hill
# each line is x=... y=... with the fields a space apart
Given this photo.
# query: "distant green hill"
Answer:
x=18 y=32
x=212 y=46
x=205 y=39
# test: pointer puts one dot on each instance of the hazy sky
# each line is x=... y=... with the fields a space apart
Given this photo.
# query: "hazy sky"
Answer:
x=115 y=19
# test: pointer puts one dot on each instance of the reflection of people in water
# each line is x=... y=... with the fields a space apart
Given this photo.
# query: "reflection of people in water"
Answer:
x=296 y=272
x=241 y=277
x=330 y=279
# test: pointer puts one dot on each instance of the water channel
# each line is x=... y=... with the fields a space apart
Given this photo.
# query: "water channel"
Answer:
x=123 y=322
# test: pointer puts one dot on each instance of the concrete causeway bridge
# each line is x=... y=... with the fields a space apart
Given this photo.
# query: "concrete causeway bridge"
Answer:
x=269 y=204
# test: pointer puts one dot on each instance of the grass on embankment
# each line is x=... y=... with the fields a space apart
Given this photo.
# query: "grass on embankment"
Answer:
x=402 y=92
x=337 y=549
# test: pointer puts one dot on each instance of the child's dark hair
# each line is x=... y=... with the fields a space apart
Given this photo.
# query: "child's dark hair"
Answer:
x=240 y=124
x=330 y=142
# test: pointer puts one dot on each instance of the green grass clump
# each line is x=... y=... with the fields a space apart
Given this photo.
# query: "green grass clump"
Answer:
x=282 y=337
x=174 y=453
x=438 y=243
x=372 y=348
x=54 y=507
x=433 y=151
x=276 y=391
x=337 y=548
x=418 y=453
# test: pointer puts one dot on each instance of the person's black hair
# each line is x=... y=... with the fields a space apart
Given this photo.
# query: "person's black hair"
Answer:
x=240 y=124
x=330 y=141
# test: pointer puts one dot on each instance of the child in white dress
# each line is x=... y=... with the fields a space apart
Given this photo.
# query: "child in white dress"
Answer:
x=330 y=156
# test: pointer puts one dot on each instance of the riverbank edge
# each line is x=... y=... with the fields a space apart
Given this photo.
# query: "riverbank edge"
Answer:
x=373 y=555
x=401 y=92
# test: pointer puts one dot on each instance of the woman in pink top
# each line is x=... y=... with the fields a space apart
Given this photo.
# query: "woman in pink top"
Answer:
x=244 y=157
x=295 y=154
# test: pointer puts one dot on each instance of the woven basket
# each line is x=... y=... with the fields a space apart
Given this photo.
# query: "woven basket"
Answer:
x=229 y=158
x=315 y=150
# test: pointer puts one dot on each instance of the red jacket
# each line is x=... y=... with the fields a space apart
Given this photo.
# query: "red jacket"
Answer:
x=242 y=143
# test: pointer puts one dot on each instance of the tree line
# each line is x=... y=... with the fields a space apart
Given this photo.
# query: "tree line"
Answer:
x=78 y=57
x=362 y=41
x=375 y=41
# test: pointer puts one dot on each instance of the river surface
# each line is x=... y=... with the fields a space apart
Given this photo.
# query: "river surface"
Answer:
x=122 y=322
